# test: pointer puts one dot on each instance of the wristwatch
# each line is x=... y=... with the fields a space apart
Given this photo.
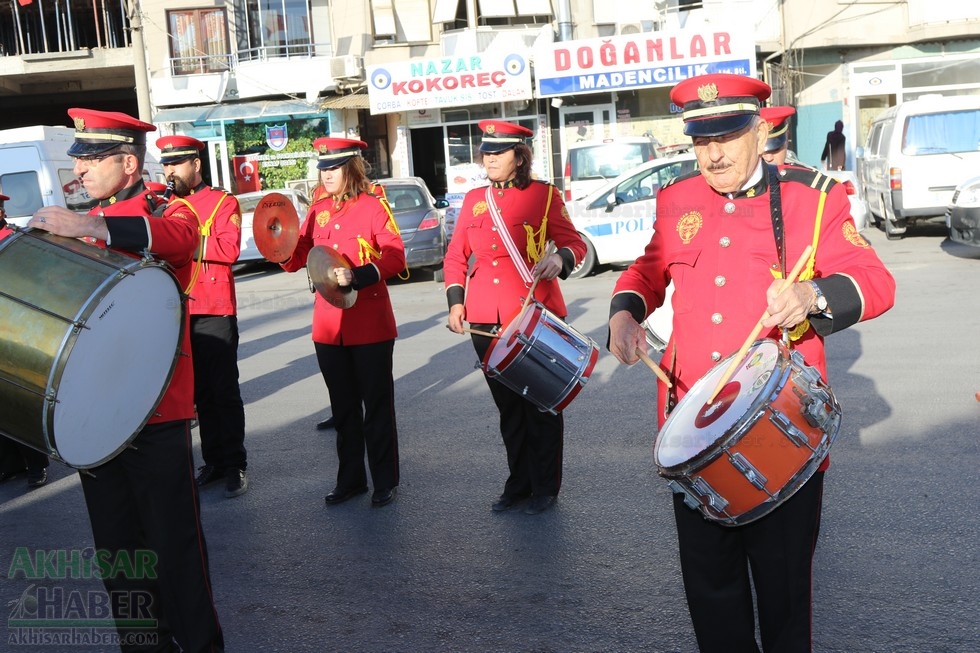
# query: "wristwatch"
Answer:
x=821 y=300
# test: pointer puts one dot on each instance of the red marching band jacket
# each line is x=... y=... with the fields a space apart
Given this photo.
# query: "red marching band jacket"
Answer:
x=362 y=230
x=220 y=216
x=495 y=290
x=172 y=238
x=721 y=256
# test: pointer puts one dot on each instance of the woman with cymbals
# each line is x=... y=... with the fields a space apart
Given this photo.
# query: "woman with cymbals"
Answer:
x=506 y=228
x=353 y=322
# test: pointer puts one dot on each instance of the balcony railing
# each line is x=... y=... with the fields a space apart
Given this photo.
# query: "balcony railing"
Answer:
x=218 y=63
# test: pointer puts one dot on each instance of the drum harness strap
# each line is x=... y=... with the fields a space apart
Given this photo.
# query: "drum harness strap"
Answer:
x=535 y=249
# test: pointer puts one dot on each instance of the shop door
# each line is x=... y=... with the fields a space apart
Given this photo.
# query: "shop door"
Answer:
x=429 y=158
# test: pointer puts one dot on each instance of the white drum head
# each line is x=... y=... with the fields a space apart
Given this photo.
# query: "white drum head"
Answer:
x=117 y=369
x=507 y=346
x=693 y=426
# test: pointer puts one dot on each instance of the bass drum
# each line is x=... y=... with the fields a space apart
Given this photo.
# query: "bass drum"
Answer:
x=762 y=438
x=89 y=340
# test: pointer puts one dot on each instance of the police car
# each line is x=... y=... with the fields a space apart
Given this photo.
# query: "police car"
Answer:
x=616 y=220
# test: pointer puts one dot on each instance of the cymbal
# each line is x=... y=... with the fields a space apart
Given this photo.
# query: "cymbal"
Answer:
x=320 y=263
x=275 y=227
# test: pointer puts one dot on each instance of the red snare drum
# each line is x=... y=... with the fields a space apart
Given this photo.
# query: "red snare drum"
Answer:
x=542 y=358
x=764 y=436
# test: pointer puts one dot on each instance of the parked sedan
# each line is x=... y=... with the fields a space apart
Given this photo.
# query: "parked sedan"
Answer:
x=616 y=221
x=421 y=220
x=859 y=208
x=248 y=202
x=963 y=213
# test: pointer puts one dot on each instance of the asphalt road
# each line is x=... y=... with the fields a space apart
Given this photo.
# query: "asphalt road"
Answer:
x=896 y=566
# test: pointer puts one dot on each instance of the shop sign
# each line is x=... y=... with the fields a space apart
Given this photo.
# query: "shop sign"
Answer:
x=448 y=82
x=647 y=60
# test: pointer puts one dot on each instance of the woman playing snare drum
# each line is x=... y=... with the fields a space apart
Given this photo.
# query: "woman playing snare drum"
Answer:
x=506 y=228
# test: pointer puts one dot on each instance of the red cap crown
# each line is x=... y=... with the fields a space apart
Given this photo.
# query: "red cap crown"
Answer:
x=3 y=198
x=720 y=103
x=100 y=131
x=334 y=152
x=155 y=187
x=174 y=149
x=499 y=135
x=778 y=119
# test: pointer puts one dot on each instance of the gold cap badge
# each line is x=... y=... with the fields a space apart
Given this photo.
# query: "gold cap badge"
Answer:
x=491 y=129
x=708 y=93
x=79 y=124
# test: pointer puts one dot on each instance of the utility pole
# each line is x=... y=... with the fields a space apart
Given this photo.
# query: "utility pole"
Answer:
x=139 y=62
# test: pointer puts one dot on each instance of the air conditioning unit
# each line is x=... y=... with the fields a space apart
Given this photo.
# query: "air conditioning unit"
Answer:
x=348 y=66
x=629 y=28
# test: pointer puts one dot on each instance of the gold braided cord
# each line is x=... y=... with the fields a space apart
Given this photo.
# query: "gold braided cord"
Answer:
x=536 y=239
x=367 y=252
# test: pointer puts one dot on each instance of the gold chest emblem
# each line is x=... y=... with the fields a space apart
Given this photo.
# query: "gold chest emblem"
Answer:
x=688 y=226
x=480 y=208
x=322 y=218
x=852 y=236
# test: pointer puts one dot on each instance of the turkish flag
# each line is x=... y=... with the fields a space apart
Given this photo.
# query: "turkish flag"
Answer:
x=247 y=173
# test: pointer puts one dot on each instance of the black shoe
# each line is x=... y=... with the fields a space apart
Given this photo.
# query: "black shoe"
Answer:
x=507 y=502
x=208 y=474
x=339 y=495
x=37 y=477
x=236 y=483
x=540 y=503
x=382 y=498
x=6 y=476
x=325 y=424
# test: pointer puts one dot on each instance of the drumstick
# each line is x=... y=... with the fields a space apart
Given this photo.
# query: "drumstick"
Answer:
x=787 y=282
x=477 y=332
x=653 y=366
x=548 y=251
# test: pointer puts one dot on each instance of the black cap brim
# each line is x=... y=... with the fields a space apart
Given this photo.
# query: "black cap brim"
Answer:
x=719 y=126
x=489 y=147
x=329 y=164
x=172 y=160
x=776 y=144
x=79 y=148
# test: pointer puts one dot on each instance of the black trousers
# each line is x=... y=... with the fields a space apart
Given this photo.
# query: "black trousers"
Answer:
x=144 y=503
x=220 y=410
x=15 y=457
x=777 y=551
x=362 y=396
x=534 y=439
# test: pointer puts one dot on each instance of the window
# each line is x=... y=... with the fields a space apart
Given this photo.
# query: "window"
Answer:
x=942 y=133
x=198 y=41
x=274 y=29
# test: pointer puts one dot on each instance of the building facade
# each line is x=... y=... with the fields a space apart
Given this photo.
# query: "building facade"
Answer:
x=258 y=80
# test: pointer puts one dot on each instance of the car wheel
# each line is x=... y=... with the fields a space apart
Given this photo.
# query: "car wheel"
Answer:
x=587 y=265
x=438 y=274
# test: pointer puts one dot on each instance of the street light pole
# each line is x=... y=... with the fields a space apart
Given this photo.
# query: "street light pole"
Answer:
x=139 y=62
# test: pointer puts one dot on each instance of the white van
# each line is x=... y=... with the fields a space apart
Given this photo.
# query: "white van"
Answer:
x=590 y=164
x=36 y=171
x=916 y=154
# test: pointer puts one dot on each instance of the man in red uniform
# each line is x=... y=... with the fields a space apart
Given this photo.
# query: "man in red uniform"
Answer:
x=725 y=250
x=144 y=501
x=777 y=145
x=17 y=458
x=213 y=309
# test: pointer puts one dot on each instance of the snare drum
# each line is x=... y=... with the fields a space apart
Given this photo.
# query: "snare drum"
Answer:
x=88 y=342
x=764 y=436
x=660 y=324
x=542 y=358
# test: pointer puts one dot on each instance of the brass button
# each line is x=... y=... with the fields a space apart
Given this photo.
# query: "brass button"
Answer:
x=719 y=281
x=494 y=262
x=725 y=241
x=496 y=281
x=716 y=318
x=715 y=356
x=494 y=247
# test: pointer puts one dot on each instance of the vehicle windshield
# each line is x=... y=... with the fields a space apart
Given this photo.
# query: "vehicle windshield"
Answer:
x=607 y=160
